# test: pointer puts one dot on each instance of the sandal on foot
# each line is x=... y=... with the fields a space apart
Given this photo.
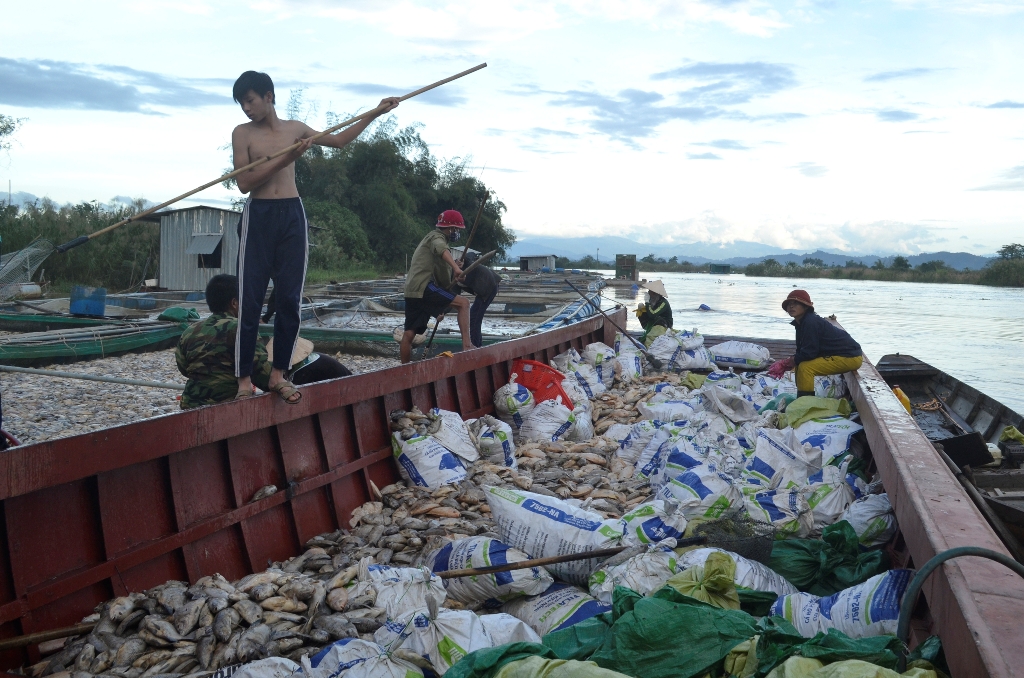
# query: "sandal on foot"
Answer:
x=286 y=390
x=242 y=395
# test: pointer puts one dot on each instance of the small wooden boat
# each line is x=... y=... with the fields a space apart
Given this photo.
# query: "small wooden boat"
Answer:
x=42 y=322
x=33 y=349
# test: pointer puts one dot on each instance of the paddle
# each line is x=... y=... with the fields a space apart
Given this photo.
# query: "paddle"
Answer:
x=82 y=239
x=655 y=363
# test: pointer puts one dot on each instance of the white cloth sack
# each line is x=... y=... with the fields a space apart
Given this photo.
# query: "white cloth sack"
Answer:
x=425 y=462
x=573 y=389
x=561 y=361
x=583 y=427
x=401 y=590
x=443 y=636
x=830 y=386
x=787 y=510
x=543 y=527
x=667 y=410
x=490 y=589
x=781 y=461
x=828 y=495
x=513 y=402
x=494 y=440
x=703 y=492
x=618 y=433
x=831 y=435
x=871 y=608
x=741 y=355
x=602 y=358
x=629 y=359
x=733 y=407
x=587 y=378
x=559 y=607
x=271 y=667
x=729 y=380
x=644 y=573
x=550 y=420
x=639 y=436
x=504 y=629
x=652 y=522
x=356 y=658
x=872 y=519
x=750 y=574
x=454 y=435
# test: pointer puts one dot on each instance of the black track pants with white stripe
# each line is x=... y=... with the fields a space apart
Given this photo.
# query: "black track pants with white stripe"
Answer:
x=273 y=245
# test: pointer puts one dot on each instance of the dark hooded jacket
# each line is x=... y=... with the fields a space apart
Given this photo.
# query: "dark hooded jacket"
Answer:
x=817 y=337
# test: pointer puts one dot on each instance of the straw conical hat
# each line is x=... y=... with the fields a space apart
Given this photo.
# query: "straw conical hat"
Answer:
x=303 y=347
x=657 y=287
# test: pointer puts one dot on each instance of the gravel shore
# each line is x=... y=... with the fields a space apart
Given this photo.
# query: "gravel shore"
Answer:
x=38 y=408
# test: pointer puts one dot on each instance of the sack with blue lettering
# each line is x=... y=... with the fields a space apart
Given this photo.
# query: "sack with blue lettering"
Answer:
x=872 y=519
x=871 y=608
x=490 y=589
x=828 y=495
x=440 y=635
x=401 y=590
x=583 y=427
x=544 y=527
x=653 y=521
x=648 y=456
x=587 y=378
x=425 y=462
x=513 y=402
x=831 y=435
x=726 y=379
x=730 y=404
x=549 y=421
x=633 y=445
x=644 y=573
x=741 y=355
x=628 y=358
x=750 y=574
x=505 y=629
x=602 y=358
x=562 y=361
x=671 y=346
x=703 y=492
x=676 y=455
x=493 y=438
x=668 y=410
x=558 y=608
x=781 y=461
x=830 y=386
x=787 y=510
x=451 y=432
x=691 y=359
x=356 y=658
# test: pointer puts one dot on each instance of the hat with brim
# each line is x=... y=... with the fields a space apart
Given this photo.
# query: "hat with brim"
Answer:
x=303 y=347
x=657 y=287
x=798 y=295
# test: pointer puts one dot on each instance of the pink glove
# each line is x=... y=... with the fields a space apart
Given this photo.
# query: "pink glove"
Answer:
x=780 y=367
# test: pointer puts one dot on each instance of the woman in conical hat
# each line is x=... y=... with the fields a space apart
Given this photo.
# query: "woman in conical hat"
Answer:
x=656 y=315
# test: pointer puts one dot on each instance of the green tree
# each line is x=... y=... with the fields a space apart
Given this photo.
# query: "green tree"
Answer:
x=900 y=263
x=932 y=266
x=815 y=262
x=771 y=263
x=674 y=260
x=879 y=265
x=791 y=264
x=649 y=259
x=853 y=263
x=1014 y=251
x=8 y=126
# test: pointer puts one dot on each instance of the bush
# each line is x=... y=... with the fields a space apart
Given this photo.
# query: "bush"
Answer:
x=1004 y=273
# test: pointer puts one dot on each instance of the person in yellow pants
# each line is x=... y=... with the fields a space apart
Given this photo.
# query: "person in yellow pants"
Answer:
x=821 y=347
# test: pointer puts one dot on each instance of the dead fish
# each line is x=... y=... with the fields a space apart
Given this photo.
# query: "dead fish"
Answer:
x=345 y=576
x=282 y=604
x=250 y=611
x=262 y=592
x=299 y=589
x=161 y=628
x=217 y=604
x=246 y=584
x=337 y=599
x=186 y=617
x=171 y=597
x=225 y=622
x=278 y=617
x=85 y=658
x=101 y=663
x=252 y=644
x=337 y=626
x=130 y=620
x=131 y=650
x=120 y=607
x=264 y=492
x=150 y=659
x=319 y=593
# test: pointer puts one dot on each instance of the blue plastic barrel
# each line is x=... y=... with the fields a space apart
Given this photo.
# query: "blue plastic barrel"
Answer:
x=88 y=300
x=545 y=269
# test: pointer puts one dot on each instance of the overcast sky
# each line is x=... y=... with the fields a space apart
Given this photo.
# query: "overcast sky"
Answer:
x=880 y=126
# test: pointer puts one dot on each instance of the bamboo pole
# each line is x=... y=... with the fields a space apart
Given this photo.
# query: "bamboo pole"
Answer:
x=472 y=231
x=82 y=239
x=43 y=636
x=56 y=374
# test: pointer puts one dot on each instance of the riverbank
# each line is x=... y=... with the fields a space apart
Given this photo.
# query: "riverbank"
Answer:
x=1001 y=273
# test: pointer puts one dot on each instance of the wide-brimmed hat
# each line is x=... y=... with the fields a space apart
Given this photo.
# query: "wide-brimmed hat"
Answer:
x=303 y=347
x=801 y=296
x=657 y=287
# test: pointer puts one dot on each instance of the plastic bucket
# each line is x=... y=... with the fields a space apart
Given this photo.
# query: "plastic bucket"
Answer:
x=90 y=301
x=544 y=381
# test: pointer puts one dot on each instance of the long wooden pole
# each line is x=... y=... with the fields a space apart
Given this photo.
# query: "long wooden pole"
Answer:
x=472 y=231
x=43 y=636
x=82 y=239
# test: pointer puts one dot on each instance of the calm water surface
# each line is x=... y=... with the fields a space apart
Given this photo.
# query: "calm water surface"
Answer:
x=974 y=333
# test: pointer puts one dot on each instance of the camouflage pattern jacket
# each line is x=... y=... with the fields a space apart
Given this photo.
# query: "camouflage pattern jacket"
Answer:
x=206 y=355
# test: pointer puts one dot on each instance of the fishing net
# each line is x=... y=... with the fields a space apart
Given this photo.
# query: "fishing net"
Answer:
x=749 y=538
x=17 y=268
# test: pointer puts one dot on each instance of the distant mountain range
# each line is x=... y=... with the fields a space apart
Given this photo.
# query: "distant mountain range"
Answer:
x=738 y=253
x=21 y=198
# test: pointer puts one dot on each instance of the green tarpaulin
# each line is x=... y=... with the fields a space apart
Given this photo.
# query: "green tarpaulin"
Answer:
x=827 y=565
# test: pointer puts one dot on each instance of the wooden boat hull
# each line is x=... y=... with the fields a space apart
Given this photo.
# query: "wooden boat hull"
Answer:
x=88 y=348
x=122 y=509
x=40 y=322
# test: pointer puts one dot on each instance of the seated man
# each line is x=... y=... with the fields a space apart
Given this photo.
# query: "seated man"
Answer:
x=308 y=366
x=482 y=283
x=206 y=350
x=821 y=347
x=656 y=315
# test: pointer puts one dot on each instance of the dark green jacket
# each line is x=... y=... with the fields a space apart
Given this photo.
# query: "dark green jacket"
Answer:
x=206 y=355
x=654 y=315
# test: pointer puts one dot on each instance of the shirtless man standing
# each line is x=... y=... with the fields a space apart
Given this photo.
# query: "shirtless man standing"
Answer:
x=273 y=243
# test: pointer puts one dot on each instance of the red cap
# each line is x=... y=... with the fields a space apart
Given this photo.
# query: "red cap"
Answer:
x=798 y=295
x=450 y=219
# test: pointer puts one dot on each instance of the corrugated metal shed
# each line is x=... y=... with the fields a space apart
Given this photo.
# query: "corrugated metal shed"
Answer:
x=197 y=243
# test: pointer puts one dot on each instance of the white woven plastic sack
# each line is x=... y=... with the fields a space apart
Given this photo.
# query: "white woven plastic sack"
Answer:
x=830 y=386
x=787 y=510
x=561 y=361
x=872 y=519
x=454 y=435
x=618 y=433
x=668 y=410
x=871 y=608
x=558 y=608
x=725 y=378
x=828 y=495
x=271 y=667
x=703 y=492
x=425 y=462
x=545 y=526
x=494 y=440
x=639 y=436
x=401 y=590
x=572 y=389
x=741 y=354
x=602 y=358
x=750 y=574
x=831 y=435
x=676 y=455
x=355 y=658
x=652 y=522
x=733 y=407
x=587 y=378
x=550 y=420
x=781 y=461
x=628 y=358
x=443 y=636
x=504 y=629
x=513 y=402
x=583 y=427
x=664 y=392
x=644 y=573
x=649 y=459
x=490 y=589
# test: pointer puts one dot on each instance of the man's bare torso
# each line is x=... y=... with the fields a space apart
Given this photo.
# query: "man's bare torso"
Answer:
x=254 y=141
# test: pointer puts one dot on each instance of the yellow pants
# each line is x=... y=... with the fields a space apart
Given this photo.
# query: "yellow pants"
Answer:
x=820 y=367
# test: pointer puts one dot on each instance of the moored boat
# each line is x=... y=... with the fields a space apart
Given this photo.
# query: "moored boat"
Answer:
x=84 y=343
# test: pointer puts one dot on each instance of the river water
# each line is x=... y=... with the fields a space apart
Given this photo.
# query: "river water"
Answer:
x=972 y=332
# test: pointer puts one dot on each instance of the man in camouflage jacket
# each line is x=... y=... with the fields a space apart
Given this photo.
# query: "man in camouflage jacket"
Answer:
x=206 y=350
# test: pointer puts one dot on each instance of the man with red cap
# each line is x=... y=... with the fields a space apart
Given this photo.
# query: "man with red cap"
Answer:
x=428 y=283
x=821 y=347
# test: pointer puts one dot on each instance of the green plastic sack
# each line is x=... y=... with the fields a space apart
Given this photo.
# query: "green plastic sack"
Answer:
x=827 y=565
x=779 y=641
x=177 y=314
x=741 y=662
x=488 y=662
x=757 y=603
x=806 y=408
x=802 y=667
x=693 y=381
x=1011 y=433
x=779 y=402
x=538 y=667
x=713 y=583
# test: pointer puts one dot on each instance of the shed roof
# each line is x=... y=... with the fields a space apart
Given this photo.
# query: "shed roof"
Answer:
x=155 y=216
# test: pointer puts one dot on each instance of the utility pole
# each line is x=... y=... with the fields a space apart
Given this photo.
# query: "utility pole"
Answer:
x=599 y=255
